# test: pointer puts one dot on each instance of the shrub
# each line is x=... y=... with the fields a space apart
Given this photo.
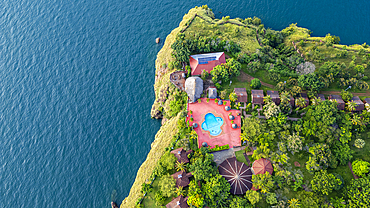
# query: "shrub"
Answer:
x=346 y=96
x=253 y=196
x=219 y=148
x=223 y=94
x=159 y=199
x=359 y=143
x=360 y=167
x=271 y=198
x=255 y=83
x=365 y=78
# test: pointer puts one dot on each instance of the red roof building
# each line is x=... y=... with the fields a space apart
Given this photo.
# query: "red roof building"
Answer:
x=262 y=166
x=207 y=61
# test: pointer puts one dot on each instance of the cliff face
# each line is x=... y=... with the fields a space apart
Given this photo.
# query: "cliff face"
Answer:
x=163 y=88
x=164 y=57
x=162 y=140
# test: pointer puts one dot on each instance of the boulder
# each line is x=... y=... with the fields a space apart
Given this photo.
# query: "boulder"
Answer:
x=194 y=88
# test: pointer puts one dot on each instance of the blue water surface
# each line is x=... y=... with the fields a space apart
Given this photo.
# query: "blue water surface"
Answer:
x=76 y=87
x=212 y=124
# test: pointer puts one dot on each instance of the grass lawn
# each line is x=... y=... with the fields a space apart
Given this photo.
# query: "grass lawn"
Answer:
x=240 y=157
x=244 y=36
x=149 y=199
x=363 y=153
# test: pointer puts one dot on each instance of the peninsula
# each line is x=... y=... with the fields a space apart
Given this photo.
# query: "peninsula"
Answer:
x=253 y=117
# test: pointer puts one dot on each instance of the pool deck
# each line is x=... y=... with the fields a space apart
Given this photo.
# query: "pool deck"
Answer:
x=228 y=136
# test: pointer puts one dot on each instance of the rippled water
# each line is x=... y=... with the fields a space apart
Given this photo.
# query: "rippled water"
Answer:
x=76 y=84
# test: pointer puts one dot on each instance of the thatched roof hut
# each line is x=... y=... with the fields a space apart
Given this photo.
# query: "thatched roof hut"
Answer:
x=274 y=96
x=367 y=100
x=182 y=178
x=238 y=174
x=339 y=100
x=178 y=202
x=242 y=94
x=359 y=104
x=181 y=155
x=321 y=96
x=257 y=97
x=194 y=88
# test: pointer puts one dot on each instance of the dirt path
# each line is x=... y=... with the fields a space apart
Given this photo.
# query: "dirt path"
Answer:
x=338 y=93
x=246 y=77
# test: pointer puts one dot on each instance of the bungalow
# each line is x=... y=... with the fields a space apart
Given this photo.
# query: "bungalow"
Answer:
x=181 y=155
x=304 y=95
x=339 y=100
x=242 y=94
x=274 y=96
x=212 y=93
x=257 y=97
x=359 y=104
x=182 y=178
x=321 y=96
x=206 y=61
x=367 y=100
x=178 y=202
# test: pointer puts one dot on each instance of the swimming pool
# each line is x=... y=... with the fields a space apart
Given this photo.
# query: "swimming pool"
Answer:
x=212 y=124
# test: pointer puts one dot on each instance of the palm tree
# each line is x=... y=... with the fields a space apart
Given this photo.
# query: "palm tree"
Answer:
x=267 y=99
x=180 y=166
x=294 y=203
x=301 y=102
x=180 y=191
x=284 y=97
x=316 y=101
x=356 y=120
x=351 y=106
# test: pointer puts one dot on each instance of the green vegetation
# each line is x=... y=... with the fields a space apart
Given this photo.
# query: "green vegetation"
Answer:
x=310 y=155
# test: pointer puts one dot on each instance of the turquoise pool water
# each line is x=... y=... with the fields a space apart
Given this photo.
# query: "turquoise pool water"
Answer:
x=212 y=124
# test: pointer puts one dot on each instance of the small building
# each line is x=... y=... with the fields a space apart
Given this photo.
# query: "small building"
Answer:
x=304 y=95
x=242 y=95
x=182 y=178
x=338 y=98
x=257 y=97
x=207 y=61
x=238 y=174
x=194 y=88
x=274 y=96
x=212 y=93
x=321 y=96
x=181 y=155
x=359 y=104
x=262 y=166
x=367 y=100
x=178 y=202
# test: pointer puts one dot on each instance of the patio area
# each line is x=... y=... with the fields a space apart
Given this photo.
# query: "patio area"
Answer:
x=217 y=135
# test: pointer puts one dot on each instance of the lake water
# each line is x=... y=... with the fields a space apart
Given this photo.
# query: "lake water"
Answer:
x=76 y=87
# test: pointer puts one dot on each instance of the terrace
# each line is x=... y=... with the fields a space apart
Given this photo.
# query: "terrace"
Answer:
x=217 y=123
